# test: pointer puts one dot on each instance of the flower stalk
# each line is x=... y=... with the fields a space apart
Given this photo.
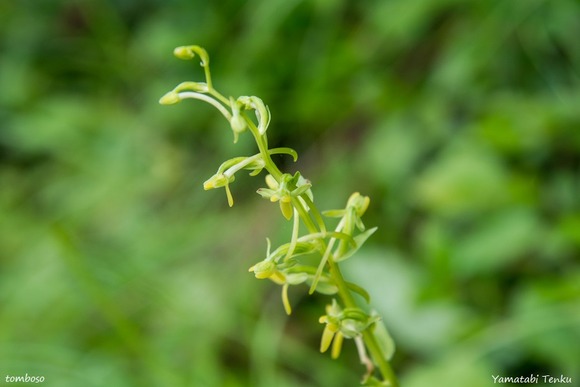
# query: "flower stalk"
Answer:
x=344 y=318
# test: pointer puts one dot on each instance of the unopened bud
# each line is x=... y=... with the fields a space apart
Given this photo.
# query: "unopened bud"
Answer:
x=170 y=98
x=183 y=52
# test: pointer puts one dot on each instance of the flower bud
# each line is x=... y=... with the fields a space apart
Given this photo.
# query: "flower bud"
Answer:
x=200 y=87
x=238 y=123
x=359 y=203
x=183 y=52
x=170 y=98
x=264 y=269
x=188 y=52
x=216 y=181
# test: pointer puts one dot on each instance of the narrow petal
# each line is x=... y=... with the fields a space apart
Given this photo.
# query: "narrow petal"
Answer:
x=229 y=195
x=337 y=345
x=327 y=336
x=286 y=300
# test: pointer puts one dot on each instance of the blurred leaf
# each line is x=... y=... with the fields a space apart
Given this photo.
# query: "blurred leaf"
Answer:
x=393 y=286
x=453 y=371
x=466 y=178
x=505 y=238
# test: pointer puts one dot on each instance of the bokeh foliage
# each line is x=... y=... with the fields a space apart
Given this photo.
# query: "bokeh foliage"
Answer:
x=461 y=120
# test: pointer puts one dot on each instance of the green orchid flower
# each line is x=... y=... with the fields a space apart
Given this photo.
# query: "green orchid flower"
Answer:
x=289 y=187
x=342 y=323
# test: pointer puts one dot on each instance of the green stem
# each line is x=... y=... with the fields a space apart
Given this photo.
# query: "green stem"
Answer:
x=262 y=142
x=376 y=353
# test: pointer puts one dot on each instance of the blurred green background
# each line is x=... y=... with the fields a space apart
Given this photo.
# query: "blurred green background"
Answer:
x=460 y=119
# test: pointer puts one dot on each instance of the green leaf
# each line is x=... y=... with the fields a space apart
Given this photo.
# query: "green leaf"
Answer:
x=384 y=339
x=360 y=239
x=362 y=292
x=286 y=151
x=296 y=278
x=334 y=213
x=324 y=286
x=374 y=382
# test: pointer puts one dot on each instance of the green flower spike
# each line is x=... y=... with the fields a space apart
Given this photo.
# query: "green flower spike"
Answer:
x=310 y=258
